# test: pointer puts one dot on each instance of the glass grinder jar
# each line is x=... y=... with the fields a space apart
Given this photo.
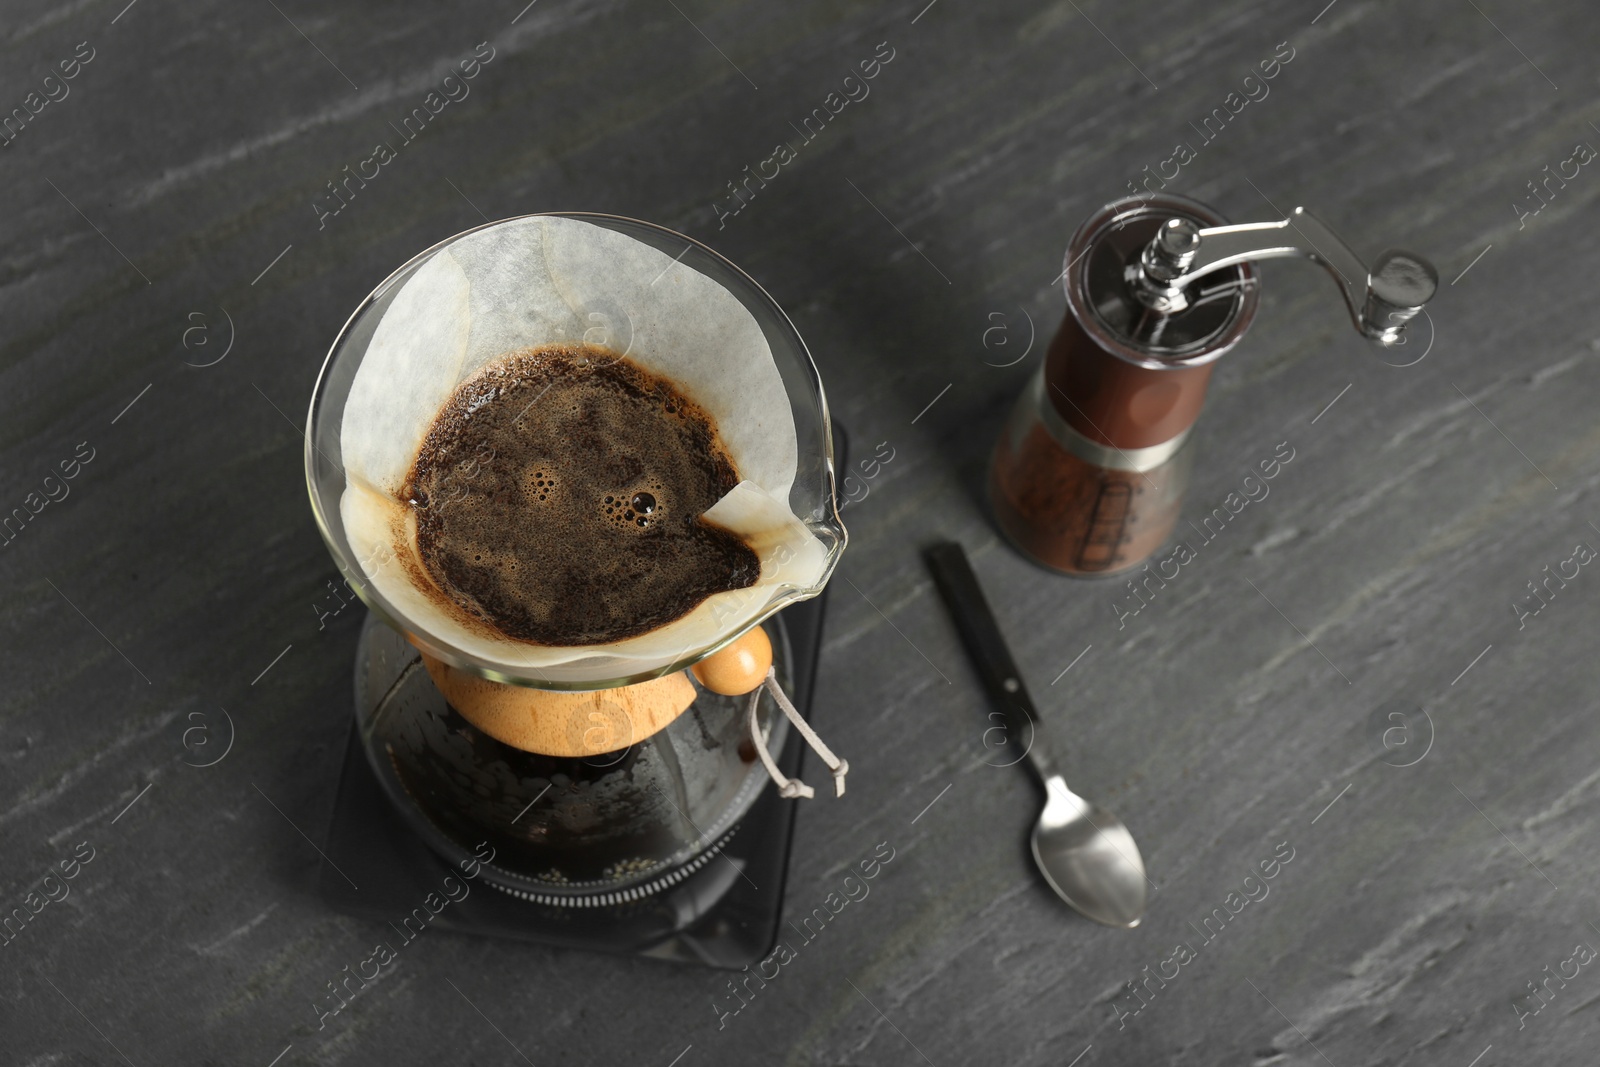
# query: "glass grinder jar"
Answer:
x=1090 y=471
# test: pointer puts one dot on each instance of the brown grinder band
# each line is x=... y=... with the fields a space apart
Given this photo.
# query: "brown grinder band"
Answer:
x=1113 y=402
x=1093 y=376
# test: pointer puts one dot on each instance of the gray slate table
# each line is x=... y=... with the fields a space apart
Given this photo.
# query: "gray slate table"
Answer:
x=173 y=196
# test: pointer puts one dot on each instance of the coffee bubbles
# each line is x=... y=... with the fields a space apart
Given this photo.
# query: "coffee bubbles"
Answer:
x=558 y=494
x=639 y=509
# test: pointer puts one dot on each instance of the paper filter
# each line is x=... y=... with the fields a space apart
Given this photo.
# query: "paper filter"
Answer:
x=545 y=280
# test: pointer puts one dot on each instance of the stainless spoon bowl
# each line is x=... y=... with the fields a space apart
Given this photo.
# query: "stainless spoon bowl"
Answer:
x=1089 y=858
x=1085 y=853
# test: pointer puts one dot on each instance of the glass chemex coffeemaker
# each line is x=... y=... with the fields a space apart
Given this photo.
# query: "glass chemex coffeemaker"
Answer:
x=634 y=797
x=1089 y=474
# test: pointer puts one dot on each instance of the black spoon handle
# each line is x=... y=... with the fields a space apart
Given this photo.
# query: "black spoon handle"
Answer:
x=981 y=634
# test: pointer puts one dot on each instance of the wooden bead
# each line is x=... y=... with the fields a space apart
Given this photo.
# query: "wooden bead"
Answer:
x=739 y=667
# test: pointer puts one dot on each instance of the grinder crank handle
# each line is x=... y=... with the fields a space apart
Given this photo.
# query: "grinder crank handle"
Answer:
x=1381 y=300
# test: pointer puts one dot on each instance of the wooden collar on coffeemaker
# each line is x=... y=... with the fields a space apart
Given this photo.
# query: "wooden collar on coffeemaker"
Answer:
x=604 y=720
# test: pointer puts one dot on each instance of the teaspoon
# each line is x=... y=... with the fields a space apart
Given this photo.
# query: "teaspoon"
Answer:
x=1085 y=853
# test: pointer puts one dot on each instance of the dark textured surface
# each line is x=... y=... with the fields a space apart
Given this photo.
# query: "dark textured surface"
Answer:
x=198 y=141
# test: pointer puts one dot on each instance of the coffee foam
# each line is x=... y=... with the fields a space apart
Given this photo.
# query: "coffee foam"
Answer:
x=574 y=516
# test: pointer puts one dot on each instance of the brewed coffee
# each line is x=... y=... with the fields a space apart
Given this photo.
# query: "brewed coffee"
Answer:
x=558 y=497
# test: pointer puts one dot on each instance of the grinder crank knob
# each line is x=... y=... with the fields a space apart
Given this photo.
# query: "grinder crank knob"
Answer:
x=739 y=667
x=1397 y=286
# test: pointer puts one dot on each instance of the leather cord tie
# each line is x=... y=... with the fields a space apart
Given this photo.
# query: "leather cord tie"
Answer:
x=792 y=788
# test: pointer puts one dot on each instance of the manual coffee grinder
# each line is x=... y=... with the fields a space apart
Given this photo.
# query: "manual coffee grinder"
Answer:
x=1089 y=474
x=639 y=811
